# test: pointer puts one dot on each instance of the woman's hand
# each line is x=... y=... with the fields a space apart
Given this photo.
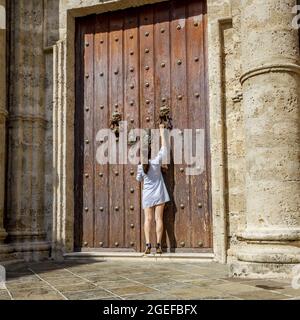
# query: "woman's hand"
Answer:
x=162 y=134
x=162 y=129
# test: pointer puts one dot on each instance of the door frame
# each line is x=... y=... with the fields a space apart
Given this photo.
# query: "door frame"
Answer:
x=64 y=78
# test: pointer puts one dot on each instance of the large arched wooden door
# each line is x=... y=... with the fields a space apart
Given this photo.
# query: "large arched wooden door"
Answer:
x=134 y=61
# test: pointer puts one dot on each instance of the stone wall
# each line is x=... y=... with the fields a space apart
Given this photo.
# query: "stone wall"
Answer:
x=234 y=131
x=252 y=93
x=227 y=124
x=3 y=115
x=57 y=20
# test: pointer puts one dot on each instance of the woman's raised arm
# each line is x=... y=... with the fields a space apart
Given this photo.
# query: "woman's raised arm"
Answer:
x=162 y=135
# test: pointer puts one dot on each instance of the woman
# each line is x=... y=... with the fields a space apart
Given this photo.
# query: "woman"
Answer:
x=155 y=193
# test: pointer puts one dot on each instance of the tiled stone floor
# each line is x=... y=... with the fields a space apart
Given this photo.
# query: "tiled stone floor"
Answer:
x=134 y=280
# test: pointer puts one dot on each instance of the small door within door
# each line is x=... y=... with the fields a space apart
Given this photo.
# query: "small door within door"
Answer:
x=132 y=62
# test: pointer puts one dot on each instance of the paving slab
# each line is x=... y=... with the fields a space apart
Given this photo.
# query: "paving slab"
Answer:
x=4 y=295
x=128 y=280
x=41 y=293
x=88 y=294
x=131 y=290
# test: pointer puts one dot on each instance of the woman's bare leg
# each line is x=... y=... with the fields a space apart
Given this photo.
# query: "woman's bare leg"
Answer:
x=147 y=223
x=159 y=213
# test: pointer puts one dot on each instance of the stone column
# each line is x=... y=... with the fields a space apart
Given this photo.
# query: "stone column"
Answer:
x=271 y=90
x=25 y=221
x=3 y=115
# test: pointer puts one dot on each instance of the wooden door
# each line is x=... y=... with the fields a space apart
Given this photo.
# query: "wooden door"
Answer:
x=133 y=61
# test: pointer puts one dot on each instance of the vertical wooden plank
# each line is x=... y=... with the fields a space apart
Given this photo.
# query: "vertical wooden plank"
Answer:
x=195 y=65
x=79 y=143
x=163 y=97
x=197 y=106
x=162 y=54
x=131 y=115
x=147 y=90
x=116 y=178
x=101 y=121
x=180 y=119
x=88 y=187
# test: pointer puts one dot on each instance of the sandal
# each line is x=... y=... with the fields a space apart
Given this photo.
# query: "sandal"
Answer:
x=148 y=248
x=158 y=248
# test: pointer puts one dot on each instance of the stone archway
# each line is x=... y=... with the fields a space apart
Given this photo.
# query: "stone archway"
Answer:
x=64 y=104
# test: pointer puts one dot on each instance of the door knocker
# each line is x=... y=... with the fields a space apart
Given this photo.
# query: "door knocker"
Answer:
x=114 y=122
x=165 y=118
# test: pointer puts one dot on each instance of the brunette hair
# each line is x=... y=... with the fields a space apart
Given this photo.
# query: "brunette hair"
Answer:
x=146 y=166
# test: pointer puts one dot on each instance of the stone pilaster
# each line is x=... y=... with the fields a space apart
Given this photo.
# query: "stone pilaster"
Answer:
x=61 y=224
x=25 y=220
x=3 y=116
x=271 y=90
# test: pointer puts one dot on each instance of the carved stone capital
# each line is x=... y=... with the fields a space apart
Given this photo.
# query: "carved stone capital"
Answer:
x=27 y=118
x=269 y=68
